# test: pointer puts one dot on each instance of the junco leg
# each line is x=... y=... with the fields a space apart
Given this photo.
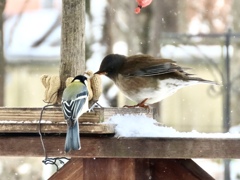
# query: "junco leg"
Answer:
x=141 y=104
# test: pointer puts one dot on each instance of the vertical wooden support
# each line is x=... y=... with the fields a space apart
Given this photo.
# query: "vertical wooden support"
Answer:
x=2 y=59
x=73 y=42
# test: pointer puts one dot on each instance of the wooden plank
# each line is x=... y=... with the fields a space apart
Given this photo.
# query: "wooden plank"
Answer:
x=56 y=128
x=107 y=169
x=110 y=147
x=54 y=114
x=132 y=169
x=143 y=169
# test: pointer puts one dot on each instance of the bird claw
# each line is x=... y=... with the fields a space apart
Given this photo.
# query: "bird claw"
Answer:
x=96 y=104
x=141 y=104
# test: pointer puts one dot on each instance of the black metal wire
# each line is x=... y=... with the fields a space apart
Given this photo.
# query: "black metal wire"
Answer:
x=48 y=160
x=53 y=161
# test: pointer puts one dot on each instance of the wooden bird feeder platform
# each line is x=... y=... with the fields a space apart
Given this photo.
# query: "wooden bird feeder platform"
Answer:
x=101 y=152
x=26 y=120
x=20 y=126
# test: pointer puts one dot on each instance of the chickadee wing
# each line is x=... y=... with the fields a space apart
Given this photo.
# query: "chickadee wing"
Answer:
x=72 y=109
x=75 y=96
x=153 y=70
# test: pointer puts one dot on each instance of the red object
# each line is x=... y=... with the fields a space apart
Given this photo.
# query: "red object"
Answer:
x=142 y=4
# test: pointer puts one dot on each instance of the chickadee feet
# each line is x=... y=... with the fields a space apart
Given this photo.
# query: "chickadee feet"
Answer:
x=95 y=104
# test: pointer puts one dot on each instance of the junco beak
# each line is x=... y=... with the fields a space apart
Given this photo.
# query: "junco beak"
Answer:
x=145 y=79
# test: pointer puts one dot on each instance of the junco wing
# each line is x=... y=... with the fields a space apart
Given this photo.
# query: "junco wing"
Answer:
x=145 y=65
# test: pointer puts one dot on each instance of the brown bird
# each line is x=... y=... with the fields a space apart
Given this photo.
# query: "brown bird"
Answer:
x=145 y=79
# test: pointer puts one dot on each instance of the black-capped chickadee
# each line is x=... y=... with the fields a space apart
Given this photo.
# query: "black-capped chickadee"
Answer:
x=74 y=104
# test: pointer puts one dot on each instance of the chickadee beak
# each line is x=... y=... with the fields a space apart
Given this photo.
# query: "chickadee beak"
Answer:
x=101 y=73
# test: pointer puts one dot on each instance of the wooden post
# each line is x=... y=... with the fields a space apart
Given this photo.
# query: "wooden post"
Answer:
x=2 y=60
x=73 y=42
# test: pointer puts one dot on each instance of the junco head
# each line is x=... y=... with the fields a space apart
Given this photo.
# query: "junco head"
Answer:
x=145 y=79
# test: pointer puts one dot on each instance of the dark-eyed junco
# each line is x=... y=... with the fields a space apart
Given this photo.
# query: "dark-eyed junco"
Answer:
x=145 y=79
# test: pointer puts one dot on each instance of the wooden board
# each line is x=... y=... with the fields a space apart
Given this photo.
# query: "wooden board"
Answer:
x=131 y=169
x=26 y=120
x=111 y=147
x=54 y=114
x=56 y=128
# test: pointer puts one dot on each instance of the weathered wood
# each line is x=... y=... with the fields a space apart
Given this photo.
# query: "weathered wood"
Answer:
x=55 y=114
x=56 y=128
x=116 y=168
x=131 y=169
x=72 y=170
x=110 y=147
x=26 y=120
x=176 y=169
x=72 y=41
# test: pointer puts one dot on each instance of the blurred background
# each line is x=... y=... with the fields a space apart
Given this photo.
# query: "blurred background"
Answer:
x=203 y=35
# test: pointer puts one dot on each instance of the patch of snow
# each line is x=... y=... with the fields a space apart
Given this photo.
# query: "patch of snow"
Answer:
x=129 y=125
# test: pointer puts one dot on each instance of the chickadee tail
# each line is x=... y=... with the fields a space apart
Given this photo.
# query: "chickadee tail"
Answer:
x=72 y=138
